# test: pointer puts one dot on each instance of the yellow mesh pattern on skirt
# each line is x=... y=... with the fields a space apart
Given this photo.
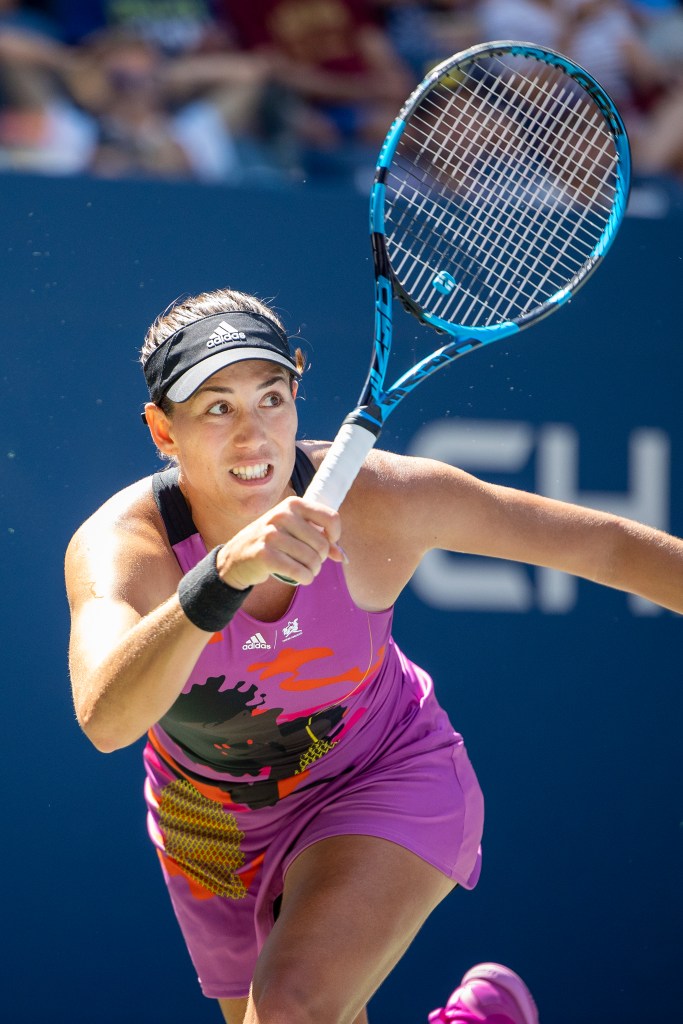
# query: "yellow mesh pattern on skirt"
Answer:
x=202 y=839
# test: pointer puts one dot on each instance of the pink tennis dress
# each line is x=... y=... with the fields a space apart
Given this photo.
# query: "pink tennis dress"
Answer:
x=286 y=733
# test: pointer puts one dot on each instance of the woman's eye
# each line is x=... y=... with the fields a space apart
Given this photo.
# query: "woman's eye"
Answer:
x=273 y=399
x=218 y=409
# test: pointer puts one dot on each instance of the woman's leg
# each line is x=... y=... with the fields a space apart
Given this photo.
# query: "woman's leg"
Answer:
x=351 y=907
x=235 y=1009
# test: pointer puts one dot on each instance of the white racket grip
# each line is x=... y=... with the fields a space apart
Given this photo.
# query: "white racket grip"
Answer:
x=341 y=465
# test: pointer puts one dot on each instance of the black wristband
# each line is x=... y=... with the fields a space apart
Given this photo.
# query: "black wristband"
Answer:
x=205 y=598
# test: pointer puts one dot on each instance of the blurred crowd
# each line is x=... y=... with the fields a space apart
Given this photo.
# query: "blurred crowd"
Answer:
x=271 y=91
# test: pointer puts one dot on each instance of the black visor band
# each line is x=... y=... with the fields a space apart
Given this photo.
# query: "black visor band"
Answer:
x=199 y=349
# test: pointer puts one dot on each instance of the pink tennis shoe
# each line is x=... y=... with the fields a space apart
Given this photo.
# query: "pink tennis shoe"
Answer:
x=488 y=994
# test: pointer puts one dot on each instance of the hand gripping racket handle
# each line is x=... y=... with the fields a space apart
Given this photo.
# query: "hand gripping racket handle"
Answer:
x=338 y=470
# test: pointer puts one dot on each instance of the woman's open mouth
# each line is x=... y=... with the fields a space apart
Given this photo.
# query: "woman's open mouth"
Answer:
x=259 y=471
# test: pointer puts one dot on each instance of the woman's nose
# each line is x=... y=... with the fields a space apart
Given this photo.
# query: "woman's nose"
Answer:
x=248 y=428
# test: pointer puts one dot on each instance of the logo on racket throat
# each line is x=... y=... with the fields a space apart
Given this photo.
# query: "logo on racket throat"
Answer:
x=443 y=282
x=223 y=334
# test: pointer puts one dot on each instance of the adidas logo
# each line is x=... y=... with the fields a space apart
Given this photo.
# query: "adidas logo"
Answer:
x=224 y=333
x=255 y=642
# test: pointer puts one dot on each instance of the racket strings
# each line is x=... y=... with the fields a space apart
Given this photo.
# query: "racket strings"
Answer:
x=584 y=223
x=511 y=212
x=553 y=99
x=508 y=189
x=504 y=195
x=554 y=264
x=466 y=255
x=518 y=149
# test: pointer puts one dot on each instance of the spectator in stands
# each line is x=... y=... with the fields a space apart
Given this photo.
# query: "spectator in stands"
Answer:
x=214 y=95
x=237 y=87
x=122 y=79
x=335 y=72
x=659 y=146
x=41 y=129
x=173 y=27
x=658 y=149
x=601 y=35
x=425 y=33
x=604 y=36
x=20 y=16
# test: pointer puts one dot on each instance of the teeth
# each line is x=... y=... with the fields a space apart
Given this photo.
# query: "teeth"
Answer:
x=251 y=472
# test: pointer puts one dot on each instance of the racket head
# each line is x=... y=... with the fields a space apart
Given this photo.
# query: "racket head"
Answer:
x=499 y=189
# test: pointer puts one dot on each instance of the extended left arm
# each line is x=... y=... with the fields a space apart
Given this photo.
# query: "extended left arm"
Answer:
x=452 y=510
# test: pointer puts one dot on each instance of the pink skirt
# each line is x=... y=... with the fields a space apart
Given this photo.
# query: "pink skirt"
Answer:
x=404 y=776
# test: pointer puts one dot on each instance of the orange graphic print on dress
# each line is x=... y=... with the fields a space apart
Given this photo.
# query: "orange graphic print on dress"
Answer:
x=290 y=662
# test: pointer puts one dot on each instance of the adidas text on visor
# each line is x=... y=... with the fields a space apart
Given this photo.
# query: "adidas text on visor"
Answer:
x=197 y=350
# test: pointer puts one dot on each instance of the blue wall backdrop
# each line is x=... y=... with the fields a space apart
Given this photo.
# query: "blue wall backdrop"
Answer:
x=568 y=695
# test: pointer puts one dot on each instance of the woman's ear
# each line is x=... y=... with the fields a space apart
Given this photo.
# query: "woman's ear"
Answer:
x=161 y=428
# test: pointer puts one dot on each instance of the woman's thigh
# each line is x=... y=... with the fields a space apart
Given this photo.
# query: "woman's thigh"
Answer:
x=351 y=907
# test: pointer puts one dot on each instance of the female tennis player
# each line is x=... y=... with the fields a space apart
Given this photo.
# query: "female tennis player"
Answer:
x=309 y=800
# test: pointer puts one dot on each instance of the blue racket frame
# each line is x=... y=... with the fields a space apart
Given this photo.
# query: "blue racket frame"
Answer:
x=378 y=401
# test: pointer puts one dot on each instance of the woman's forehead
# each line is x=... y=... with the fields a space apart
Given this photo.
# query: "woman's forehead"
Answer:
x=248 y=372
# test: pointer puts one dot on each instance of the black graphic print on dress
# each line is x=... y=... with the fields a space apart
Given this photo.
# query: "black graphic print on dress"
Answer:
x=200 y=721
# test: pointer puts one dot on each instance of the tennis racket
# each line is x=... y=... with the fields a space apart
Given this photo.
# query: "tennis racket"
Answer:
x=498 y=190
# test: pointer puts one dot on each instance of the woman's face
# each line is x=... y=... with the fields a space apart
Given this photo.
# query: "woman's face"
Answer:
x=234 y=438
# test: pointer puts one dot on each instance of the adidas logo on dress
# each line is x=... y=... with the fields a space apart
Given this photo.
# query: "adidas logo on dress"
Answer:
x=256 y=642
x=224 y=333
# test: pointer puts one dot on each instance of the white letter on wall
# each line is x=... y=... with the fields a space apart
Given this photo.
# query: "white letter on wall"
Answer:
x=444 y=580
x=646 y=501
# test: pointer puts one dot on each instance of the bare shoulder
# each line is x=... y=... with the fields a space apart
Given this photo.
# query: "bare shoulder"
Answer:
x=383 y=471
x=405 y=484
x=122 y=551
x=391 y=490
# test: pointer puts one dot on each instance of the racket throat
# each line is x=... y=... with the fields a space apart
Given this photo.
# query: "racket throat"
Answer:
x=369 y=416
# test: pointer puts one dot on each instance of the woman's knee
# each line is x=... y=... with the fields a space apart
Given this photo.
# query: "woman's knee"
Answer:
x=288 y=994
